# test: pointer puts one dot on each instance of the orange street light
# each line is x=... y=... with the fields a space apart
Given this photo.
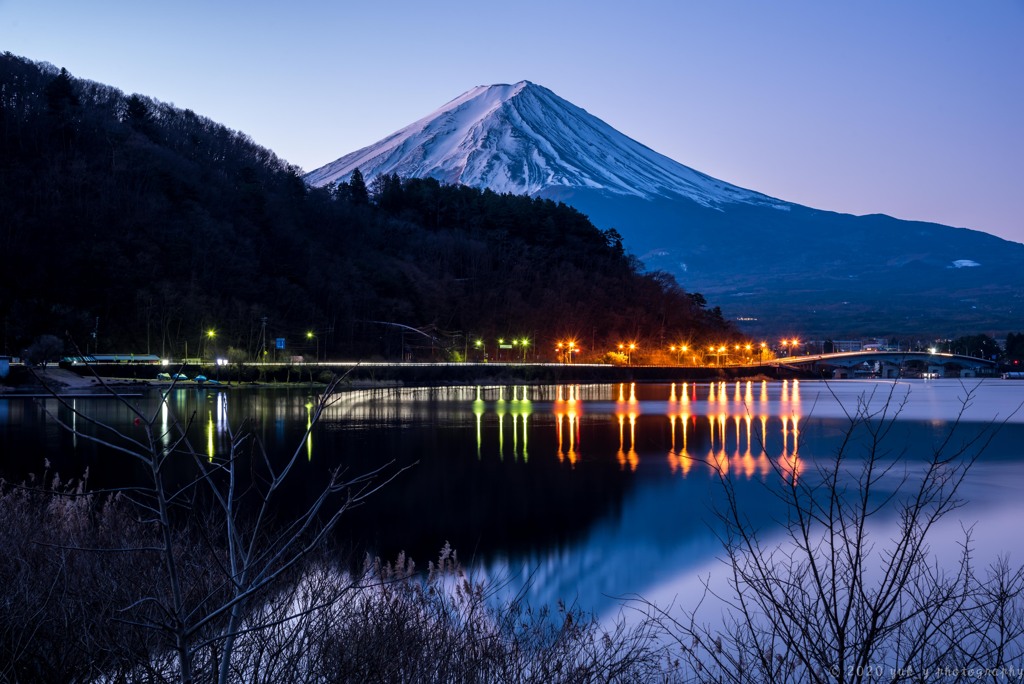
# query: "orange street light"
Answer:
x=566 y=350
x=680 y=349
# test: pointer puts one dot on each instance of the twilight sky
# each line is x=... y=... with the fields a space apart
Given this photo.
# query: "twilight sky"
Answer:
x=912 y=108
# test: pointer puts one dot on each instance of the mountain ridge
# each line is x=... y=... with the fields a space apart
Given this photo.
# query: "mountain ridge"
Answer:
x=131 y=225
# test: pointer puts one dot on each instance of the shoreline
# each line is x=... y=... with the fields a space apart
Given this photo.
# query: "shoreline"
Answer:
x=120 y=376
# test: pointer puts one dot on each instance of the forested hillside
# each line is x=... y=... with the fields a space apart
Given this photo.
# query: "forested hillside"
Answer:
x=127 y=224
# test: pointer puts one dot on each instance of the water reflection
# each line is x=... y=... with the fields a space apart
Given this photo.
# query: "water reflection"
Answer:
x=735 y=432
x=217 y=433
x=740 y=427
x=309 y=430
x=566 y=414
x=735 y=426
x=593 y=490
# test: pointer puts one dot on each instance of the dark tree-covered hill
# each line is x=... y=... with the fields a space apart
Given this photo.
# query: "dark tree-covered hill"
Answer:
x=127 y=224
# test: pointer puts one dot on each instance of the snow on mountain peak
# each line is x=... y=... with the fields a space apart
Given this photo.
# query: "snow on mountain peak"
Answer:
x=524 y=139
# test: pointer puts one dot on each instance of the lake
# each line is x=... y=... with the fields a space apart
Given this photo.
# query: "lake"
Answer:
x=586 y=492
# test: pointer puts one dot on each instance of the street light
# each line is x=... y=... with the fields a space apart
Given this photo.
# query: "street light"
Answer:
x=312 y=335
x=524 y=343
x=210 y=334
x=679 y=349
x=566 y=350
x=628 y=350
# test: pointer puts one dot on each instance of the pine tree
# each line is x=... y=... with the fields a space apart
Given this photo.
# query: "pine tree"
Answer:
x=357 y=188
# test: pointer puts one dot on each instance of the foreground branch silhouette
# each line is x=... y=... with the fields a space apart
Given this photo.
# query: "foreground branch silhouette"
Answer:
x=195 y=576
x=213 y=526
x=852 y=591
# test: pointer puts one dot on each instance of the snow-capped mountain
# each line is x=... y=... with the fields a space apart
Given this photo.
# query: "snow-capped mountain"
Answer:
x=524 y=139
x=775 y=266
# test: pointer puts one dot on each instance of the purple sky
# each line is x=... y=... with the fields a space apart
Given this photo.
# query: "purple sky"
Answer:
x=909 y=108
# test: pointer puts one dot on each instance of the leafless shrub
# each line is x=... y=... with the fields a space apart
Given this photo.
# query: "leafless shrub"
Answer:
x=60 y=607
x=442 y=626
x=187 y=591
x=853 y=591
x=145 y=584
x=216 y=540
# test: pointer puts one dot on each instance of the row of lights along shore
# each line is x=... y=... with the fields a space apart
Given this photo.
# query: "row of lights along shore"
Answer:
x=569 y=350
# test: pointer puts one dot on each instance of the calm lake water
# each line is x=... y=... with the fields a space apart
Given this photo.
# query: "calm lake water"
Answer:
x=590 y=492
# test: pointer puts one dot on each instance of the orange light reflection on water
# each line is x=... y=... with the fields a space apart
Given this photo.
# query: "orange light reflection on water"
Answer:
x=566 y=415
x=729 y=430
x=738 y=430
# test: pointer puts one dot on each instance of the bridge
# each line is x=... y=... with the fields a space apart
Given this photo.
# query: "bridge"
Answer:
x=890 y=363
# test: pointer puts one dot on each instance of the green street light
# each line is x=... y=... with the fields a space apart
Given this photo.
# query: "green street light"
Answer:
x=310 y=335
x=210 y=334
x=524 y=343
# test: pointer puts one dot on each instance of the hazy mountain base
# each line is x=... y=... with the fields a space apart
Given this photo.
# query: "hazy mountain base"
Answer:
x=822 y=273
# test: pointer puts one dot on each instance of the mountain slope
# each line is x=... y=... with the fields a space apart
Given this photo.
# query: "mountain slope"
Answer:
x=524 y=139
x=774 y=265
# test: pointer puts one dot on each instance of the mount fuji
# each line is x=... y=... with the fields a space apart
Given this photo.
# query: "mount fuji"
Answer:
x=526 y=140
x=774 y=266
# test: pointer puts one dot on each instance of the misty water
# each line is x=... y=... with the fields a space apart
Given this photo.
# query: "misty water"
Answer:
x=584 y=493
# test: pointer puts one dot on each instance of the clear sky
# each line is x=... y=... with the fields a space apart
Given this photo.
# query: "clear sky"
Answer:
x=913 y=108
